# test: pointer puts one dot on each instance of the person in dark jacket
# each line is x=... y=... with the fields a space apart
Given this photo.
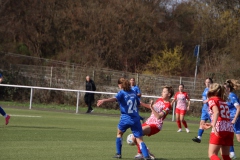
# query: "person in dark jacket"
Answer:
x=89 y=97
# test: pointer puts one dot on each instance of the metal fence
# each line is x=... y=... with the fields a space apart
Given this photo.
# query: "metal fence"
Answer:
x=77 y=92
x=57 y=74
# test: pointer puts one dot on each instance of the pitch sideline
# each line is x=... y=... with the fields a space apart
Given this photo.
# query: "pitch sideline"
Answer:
x=15 y=115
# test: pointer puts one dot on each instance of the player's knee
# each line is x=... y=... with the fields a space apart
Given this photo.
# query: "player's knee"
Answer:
x=238 y=139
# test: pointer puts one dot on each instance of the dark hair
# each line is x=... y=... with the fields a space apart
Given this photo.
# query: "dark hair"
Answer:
x=170 y=90
x=210 y=79
x=181 y=85
x=125 y=84
x=217 y=90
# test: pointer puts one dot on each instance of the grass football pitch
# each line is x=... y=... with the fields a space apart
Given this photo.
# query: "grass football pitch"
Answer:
x=48 y=135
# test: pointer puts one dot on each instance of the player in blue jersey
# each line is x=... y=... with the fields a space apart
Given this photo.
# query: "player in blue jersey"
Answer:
x=130 y=118
x=205 y=115
x=137 y=90
x=2 y=112
x=234 y=109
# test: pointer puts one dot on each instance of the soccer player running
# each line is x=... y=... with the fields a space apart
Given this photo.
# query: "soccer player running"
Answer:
x=2 y=112
x=137 y=90
x=234 y=108
x=221 y=136
x=130 y=118
x=160 y=110
x=205 y=115
x=181 y=108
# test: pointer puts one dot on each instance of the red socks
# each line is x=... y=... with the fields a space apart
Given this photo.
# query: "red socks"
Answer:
x=214 y=157
x=179 y=124
x=138 y=147
x=184 y=123
x=226 y=157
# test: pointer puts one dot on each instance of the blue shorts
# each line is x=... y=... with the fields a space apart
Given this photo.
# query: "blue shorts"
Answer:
x=236 y=126
x=205 y=115
x=134 y=124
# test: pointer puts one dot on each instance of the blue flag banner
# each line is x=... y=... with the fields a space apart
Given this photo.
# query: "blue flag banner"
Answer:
x=196 y=50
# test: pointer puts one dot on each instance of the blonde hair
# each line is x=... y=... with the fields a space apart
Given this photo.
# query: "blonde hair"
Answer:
x=232 y=84
x=126 y=86
x=217 y=90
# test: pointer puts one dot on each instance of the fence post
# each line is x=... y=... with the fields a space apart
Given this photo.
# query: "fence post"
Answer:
x=31 y=95
x=93 y=75
x=173 y=111
x=137 y=79
x=51 y=76
x=77 y=102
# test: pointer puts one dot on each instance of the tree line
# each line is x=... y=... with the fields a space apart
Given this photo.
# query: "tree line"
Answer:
x=144 y=36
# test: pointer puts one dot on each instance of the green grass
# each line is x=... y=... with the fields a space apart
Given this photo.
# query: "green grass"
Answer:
x=82 y=109
x=69 y=136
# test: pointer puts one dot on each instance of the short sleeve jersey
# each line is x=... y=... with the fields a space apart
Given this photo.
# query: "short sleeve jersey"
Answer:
x=233 y=101
x=128 y=103
x=137 y=90
x=159 y=106
x=204 y=97
x=223 y=122
x=181 y=98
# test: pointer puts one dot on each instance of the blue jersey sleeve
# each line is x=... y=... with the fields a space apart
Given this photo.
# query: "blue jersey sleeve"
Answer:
x=204 y=94
x=0 y=75
x=233 y=98
x=136 y=89
x=204 y=97
x=232 y=101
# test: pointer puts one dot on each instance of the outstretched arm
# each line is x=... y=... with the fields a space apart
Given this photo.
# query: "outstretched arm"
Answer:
x=100 y=102
x=145 y=105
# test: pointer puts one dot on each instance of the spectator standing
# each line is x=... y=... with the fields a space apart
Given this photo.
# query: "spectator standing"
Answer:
x=89 y=97
x=3 y=113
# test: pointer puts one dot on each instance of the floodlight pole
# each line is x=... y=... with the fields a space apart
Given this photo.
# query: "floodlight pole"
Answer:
x=195 y=77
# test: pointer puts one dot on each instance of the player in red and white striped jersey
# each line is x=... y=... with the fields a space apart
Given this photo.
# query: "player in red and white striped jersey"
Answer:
x=221 y=136
x=182 y=107
x=160 y=110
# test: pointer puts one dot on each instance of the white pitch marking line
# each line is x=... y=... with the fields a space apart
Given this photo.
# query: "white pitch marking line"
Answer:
x=14 y=115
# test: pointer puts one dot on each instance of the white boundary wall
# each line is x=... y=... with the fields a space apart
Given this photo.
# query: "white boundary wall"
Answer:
x=78 y=93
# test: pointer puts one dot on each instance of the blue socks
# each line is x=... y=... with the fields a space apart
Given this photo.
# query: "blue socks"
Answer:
x=231 y=149
x=119 y=145
x=2 y=112
x=200 y=132
x=144 y=149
